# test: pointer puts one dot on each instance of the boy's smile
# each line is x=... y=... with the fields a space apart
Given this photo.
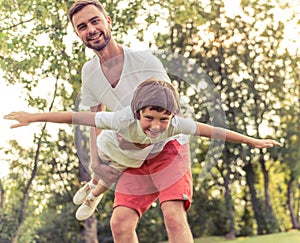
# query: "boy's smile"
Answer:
x=154 y=123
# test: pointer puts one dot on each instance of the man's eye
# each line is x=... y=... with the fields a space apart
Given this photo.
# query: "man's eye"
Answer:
x=96 y=21
x=82 y=27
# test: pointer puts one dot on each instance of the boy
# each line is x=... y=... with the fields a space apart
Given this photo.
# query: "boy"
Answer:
x=153 y=117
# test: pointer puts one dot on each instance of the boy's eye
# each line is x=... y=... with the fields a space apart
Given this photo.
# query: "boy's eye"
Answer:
x=164 y=119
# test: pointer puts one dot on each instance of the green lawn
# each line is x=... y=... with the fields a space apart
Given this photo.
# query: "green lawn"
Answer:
x=288 y=237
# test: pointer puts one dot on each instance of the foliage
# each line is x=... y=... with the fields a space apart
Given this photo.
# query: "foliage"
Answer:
x=249 y=63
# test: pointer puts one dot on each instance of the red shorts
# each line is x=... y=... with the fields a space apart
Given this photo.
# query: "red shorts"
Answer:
x=166 y=176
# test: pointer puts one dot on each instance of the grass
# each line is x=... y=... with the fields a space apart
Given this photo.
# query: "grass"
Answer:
x=287 y=237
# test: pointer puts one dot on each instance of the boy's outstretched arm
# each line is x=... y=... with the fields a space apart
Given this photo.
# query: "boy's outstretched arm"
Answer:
x=25 y=118
x=208 y=131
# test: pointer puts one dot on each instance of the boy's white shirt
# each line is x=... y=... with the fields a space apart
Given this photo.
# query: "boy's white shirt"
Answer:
x=123 y=123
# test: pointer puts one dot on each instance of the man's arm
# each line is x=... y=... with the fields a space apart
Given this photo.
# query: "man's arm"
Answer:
x=105 y=172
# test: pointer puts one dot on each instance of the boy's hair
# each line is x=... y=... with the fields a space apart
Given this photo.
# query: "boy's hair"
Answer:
x=80 y=4
x=158 y=95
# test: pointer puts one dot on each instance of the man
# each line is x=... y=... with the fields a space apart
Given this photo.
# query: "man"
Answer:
x=109 y=79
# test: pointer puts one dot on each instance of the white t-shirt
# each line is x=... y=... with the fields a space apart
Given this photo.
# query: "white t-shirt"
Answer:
x=123 y=123
x=138 y=66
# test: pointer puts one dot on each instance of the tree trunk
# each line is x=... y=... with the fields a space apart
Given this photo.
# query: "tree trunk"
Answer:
x=256 y=204
x=22 y=210
x=295 y=223
x=271 y=224
x=298 y=204
x=229 y=204
x=89 y=231
x=1 y=195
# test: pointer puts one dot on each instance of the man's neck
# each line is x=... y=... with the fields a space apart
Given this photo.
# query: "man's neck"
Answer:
x=112 y=50
x=112 y=61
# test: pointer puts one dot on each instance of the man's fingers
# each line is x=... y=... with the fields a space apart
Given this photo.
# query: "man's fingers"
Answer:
x=114 y=171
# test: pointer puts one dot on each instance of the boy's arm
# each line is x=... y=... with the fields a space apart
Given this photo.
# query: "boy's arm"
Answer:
x=208 y=131
x=25 y=118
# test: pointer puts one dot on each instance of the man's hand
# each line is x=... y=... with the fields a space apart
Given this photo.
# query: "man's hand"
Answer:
x=126 y=145
x=108 y=174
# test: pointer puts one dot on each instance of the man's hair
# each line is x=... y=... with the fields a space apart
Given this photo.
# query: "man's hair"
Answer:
x=80 y=4
x=157 y=95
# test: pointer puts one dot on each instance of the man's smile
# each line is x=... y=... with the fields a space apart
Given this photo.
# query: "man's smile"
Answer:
x=94 y=36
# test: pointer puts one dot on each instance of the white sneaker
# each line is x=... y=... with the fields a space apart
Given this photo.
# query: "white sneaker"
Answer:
x=87 y=209
x=83 y=192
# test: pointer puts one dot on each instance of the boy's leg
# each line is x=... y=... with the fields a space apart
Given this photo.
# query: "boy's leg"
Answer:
x=123 y=224
x=89 y=206
x=83 y=192
x=99 y=189
x=93 y=198
x=112 y=171
x=176 y=223
x=91 y=202
x=175 y=189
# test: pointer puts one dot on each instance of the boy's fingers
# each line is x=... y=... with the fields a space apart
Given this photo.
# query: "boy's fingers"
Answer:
x=10 y=116
x=15 y=126
x=274 y=143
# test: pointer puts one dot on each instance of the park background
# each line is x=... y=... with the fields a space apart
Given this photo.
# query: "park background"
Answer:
x=249 y=51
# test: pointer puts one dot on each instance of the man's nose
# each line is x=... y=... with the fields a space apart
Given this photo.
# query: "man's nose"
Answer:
x=91 y=28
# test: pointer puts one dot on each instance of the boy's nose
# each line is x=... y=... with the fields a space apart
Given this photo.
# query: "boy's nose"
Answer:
x=155 y=125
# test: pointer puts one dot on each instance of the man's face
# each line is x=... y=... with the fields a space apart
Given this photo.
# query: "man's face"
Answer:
x=154 y=123
x=92 y=27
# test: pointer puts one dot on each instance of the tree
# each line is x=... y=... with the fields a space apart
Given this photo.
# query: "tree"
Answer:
x=238 y=65
x=241 y=55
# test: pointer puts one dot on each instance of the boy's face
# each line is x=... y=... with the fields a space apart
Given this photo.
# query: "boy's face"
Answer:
x=154 y=123
x=92 y=27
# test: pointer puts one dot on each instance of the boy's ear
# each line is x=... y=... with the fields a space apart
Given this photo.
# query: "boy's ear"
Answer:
x=137 y=115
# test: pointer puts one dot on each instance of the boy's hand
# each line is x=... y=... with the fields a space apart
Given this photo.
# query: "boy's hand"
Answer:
x=20 y=116
x=265 y=143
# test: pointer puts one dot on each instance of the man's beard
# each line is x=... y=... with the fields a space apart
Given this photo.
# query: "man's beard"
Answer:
x=100 y=47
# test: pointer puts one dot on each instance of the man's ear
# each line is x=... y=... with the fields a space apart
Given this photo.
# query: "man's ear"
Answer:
x=108 y=20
